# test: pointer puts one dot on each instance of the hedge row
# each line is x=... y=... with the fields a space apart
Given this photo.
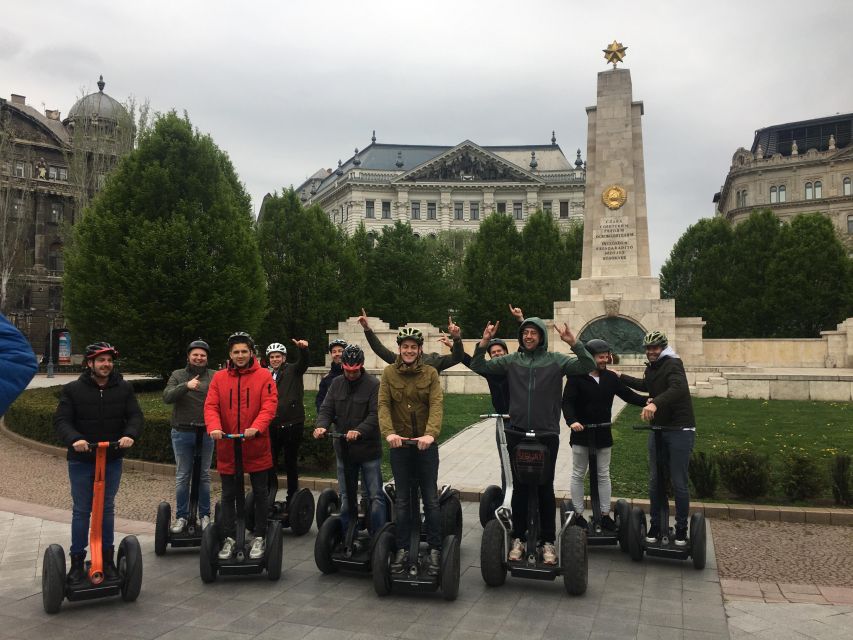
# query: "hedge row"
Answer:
x=31 y=416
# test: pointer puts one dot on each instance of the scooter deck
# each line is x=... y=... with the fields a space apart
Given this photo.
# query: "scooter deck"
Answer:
x=538 y=571
x=89 y=591
x=419 y=581
x=179 y=540
x=234 y=567
x=358 y=561
x=602 y=539
x=668 y=550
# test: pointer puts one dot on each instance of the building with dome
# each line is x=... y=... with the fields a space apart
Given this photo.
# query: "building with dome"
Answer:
x=441 y=188
x=50 y=168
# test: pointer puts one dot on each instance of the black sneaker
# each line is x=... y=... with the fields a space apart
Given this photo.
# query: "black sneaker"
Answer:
x=580 y=521
x=681 y=536
x=608 y=524
x=110 y=570
x=434 y=562
x=653 y=534
x=400 y=558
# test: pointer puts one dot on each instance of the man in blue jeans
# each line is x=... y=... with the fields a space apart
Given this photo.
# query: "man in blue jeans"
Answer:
x=351 y=403
x=99 y=406
x=186 y=390
x=669 y=405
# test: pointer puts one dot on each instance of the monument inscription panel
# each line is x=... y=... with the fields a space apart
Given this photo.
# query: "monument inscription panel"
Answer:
x=614 y=239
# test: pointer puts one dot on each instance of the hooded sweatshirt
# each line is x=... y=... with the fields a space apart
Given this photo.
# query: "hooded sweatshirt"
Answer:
x=535 y=378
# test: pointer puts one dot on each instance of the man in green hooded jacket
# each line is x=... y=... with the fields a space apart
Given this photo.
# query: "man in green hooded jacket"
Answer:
x=535 y=377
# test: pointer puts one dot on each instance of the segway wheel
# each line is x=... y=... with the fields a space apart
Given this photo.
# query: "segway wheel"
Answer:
x=328 y=538
x=274 y=550
x=450 y=567
x=574 y=560
x=623 y=515
x=53 y=578
x=328 y=503
x=381 y=563
x=129 y=562
x=636 y=533
x=207 y=557
x=249 y=508
x=161 y=529
x=698 y=540
x=301 y=512
x=491 y=499
x=493 y=554
x=451 y=517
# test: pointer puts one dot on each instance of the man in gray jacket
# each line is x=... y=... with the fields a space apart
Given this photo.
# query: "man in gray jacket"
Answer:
x=187 y=390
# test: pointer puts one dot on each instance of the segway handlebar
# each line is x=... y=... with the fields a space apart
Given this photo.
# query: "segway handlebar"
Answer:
x=234 y=436
x=410 y=442
x=107 y=444
x=657 y=427
x=529 y=433
x=505 y=416
x=599 y=425
x=191 y=425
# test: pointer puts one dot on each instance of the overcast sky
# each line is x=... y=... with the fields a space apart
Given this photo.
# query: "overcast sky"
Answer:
x=288 y=87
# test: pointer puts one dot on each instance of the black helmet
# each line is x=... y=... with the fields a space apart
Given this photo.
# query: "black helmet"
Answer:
x=198 y=344
x=98 y=348
x=337 y=343
x=655 y=339
x=497 y=341
x=596 y=346
x=241 y=337
x=353 y=357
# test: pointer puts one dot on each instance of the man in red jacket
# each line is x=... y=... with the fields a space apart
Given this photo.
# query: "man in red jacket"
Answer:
x=242 y=398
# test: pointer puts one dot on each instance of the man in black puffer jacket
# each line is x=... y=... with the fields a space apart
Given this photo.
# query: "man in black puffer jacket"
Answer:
x=352 y=404
x=99 y=406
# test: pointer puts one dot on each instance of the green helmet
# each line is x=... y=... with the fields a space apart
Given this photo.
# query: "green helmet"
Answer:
x=410 y=333
x=655 y=339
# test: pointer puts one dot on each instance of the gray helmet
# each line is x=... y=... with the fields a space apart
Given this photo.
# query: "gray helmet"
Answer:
x=596 y=346
x=241 y=337
x=337 y=343
x=497 y=341
x=198 y=344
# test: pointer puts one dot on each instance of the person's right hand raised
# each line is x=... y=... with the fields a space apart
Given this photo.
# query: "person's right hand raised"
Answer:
x=489 y=332
x=362 y=320
x=517 y=313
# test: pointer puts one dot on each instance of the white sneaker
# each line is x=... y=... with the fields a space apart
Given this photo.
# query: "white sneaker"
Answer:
x=179 y=525
x=549 y=553
x=517 y=550
x=205 y=520
x=227 y=549
x=257 y=550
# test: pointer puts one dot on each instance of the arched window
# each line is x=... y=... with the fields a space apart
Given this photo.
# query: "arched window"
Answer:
x=744 y=198
x=818 y=189
x=847 y=187
x=54 y=257
x=809 y=192
x=773 y=195
x=738 y=200
x=782 y=193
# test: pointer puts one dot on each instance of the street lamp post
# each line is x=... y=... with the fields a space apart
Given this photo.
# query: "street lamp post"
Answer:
x=50 y=351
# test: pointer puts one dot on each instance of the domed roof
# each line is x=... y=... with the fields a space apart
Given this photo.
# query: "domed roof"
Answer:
x=98 y=105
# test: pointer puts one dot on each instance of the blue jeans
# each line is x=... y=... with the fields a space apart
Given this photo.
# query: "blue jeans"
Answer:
x=371 y=477
x=677 y=446
x=411 y=467
x=82 y=478
x=183 y=444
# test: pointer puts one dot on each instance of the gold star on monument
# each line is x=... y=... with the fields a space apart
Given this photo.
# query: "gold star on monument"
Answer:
x=614 y=53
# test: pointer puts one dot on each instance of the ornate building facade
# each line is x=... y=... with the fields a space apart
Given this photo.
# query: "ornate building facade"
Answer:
x=794 y=168
x=49 y=170
x=440 y=188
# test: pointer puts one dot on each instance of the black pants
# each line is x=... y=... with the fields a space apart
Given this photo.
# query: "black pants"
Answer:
x=547 y=501
x=288 y=438
x=229 y=503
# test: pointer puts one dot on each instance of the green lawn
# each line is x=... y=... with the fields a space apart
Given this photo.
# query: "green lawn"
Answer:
x=772 y=427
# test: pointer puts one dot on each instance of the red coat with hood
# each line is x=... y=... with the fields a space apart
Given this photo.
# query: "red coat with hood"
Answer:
x=239 y=399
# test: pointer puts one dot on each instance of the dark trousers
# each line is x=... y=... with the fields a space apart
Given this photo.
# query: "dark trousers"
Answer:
x=287 y=438
x=229 y=503
x=677 y=446
x=547 y=500
x=413 y=467
x=82 y=478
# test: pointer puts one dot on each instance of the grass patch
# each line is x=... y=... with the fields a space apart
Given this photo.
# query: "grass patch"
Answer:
x=775 y=428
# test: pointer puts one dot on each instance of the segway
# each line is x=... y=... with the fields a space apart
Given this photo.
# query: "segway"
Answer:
x=297 y=514
x=596 y=534
x=191 y=535
x=493 y=496
x=531 y=464
x=54 y=583
x=415 y=575
x=240 y=563
x=350 y=549
x=665 y=546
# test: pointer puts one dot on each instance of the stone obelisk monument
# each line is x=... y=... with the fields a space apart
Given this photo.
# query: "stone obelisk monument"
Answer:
x=616 y=297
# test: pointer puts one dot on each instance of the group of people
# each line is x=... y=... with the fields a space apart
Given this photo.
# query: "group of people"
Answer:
x=404 y=406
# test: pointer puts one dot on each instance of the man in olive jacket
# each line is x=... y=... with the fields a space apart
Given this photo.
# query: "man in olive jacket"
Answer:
x=410 y=406
x=535 y=377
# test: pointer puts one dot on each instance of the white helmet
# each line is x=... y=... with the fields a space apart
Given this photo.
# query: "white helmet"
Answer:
x=277 y=347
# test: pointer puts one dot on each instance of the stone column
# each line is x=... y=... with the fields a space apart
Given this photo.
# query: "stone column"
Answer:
x=446 y=209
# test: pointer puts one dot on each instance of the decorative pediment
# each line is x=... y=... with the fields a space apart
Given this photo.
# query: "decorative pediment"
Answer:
x=468 y=162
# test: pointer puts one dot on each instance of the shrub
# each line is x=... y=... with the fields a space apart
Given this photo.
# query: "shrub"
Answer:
x=744 y=472
x=801 y=477
x=840 y=479
x=703 y=474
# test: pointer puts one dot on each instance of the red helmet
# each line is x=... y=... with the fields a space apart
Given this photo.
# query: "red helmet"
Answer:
x=98 y=348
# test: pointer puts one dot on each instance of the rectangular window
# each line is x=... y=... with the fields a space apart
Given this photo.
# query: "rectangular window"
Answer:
x=847 y=188
x=52 y=172
x=457 y=211
x=564 y=208
x=809 y=193
x=546 y=207
x=368 y=209
x=849 y=224
x=56 y=213
x=416 y=211
x=818 y=190
x=63 y=174
x=19 y=170
x=782 y=193
x=54 y=299
x=430 y=211
x=773 y=196
x=386 y=209
x=516 y=211
x=475 y=210
x=501 y=207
